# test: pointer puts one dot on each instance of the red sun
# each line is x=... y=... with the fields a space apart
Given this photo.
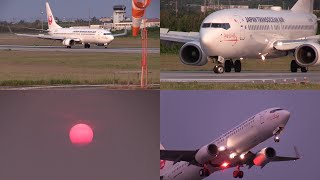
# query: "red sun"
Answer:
x=81 y=134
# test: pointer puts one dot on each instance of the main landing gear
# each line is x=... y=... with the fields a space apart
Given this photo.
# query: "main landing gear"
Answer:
x=238 y=173
x=86 y=45
x=69 y=47
x=294 y=67
x=204 y=172
x=227 y=66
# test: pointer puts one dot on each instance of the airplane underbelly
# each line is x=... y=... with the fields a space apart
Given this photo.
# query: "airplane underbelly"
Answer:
x=189 y=173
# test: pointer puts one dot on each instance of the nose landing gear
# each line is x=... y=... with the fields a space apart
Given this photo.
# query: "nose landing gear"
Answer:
x=276 y=138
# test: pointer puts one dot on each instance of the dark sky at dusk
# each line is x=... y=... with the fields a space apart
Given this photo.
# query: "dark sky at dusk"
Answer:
x=35 y=143
x=30 y=10
x=191 y=119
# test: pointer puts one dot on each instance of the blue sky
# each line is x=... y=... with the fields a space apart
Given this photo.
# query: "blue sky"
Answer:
x=191 y=119
x=30 y=10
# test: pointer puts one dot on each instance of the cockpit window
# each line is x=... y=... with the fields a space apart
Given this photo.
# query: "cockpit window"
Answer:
x=107 y=34
x=225 y=26
x=206 y=25
x=275 y=110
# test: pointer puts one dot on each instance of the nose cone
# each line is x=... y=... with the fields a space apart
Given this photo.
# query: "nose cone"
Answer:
x=111 y=38
x=207 y=40
x=285 y=115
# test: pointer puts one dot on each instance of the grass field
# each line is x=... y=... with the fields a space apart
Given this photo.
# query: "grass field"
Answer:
x=19 y=68
x=226 y=86
x=171 y=62
x=118 y=42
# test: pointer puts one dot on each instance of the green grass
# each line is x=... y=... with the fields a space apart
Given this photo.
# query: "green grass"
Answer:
x=48 y=68
x=225 y=86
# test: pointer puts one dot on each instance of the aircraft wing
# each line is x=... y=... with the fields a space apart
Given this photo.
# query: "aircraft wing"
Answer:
x=287 y=45
x=250 y=156
x=43 y=36
x=176 y=36
x=121 y=34
x=177 y=156
x=281 y=158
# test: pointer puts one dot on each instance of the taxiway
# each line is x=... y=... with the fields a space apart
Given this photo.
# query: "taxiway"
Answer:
x=243 y=77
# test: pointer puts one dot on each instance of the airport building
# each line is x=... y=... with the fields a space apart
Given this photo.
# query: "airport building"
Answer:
x=119 y=21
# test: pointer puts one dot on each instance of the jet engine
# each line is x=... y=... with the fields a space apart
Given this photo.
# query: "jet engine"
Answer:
x=68 y=42
x=308 y=54
x=192 y=54
x=264 y=156
x=206 y=153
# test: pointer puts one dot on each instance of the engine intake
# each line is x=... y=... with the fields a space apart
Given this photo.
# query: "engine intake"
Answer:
x=206 y=153
x=192 y=54
x=68 y=42
x=308 y=54
x=264 y=156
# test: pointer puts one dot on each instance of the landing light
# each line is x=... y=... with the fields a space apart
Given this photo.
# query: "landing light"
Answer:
x=242 y=156
x=232 y=155
x=277 y=137
x=279 y=43
x=222 y=148
x=225 y=164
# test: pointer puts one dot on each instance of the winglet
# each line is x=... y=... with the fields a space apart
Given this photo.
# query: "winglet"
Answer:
x=296 y=152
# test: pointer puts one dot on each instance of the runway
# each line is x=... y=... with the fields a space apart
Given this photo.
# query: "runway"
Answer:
x=243 y=77
x=94 y=49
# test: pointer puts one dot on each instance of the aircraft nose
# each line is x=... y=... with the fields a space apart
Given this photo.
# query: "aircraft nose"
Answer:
x=112 y=38
x=285 y=115
x=205 y=39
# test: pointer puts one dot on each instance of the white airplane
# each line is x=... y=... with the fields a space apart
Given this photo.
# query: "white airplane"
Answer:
x=72 y=36
x=232 y=149
x=228 y=36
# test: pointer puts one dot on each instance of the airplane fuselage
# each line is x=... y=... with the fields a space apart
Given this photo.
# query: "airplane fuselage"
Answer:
x=239 y=140
x=240 y=34
x=86 y=36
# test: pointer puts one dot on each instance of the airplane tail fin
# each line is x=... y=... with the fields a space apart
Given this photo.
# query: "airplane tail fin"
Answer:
x=164 y=165
x=51 y=20
x=303 y=6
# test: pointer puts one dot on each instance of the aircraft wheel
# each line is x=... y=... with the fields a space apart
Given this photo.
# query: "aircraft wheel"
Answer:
x=227 y=66
x=235 y=174
x=304 y=69
x=294 y=66
x=219 y=69
x=240 y=174
x=276 y=139
x=237 y=66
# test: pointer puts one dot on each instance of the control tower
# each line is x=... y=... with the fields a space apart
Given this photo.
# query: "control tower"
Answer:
x=119 y=13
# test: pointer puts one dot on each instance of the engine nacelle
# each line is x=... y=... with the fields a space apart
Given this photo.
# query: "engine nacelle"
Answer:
x=68 y=42
x=192 y=54
x=264 y=156
x=308 y=54
x=206 y=153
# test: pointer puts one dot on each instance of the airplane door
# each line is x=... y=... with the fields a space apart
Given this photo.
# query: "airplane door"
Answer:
x=242 y=27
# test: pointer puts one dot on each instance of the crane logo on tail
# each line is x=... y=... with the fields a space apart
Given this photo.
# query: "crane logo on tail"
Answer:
x=50 y=20
x=162 y=164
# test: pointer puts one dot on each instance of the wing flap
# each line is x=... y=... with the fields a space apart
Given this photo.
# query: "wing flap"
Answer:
x=177 y=156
